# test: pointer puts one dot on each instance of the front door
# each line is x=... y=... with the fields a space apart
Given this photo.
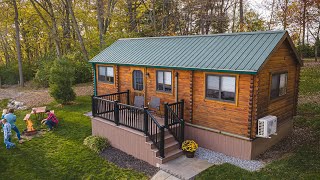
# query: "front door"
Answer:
x=138 y=87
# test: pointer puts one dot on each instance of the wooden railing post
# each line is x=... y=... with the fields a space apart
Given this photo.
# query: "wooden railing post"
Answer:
x=162 y=142
x=145 y=120
x=182 y=109
x=128 y=97
x=116 y=112
x=166 y=118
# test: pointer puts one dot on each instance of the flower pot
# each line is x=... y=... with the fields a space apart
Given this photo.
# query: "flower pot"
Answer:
x=189 y=154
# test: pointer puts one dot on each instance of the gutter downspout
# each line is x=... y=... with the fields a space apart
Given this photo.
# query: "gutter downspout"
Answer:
x=94 y=79
x=176 y=84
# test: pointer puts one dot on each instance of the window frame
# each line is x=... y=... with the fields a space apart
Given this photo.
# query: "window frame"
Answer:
x=133 y=78
x=220 y=82
x=163 y=91
x=286 y=87
x=106 y=77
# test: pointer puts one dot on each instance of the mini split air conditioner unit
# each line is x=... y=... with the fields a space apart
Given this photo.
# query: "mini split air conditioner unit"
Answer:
x=267 y=126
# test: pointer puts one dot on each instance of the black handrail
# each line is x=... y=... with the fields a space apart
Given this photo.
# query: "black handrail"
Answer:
x=123 y=97
x=154 y=131
x=131 y=116
x=173 y=115
x=103 y=108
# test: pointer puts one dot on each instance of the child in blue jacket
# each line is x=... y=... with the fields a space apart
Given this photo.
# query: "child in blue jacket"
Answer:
x=7 y=134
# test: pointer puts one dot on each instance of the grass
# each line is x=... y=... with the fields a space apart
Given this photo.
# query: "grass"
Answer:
x=310 y=80
x=304 y=163
x=60 y=154
x=3 y=103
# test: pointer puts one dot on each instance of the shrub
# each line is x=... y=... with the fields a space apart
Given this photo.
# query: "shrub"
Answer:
x=61 y=79
x=42 y=75
x=95 y=143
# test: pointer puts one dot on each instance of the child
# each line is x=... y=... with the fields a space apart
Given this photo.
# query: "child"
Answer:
x=51 y=120
x=7 y=134
x=11 y=118
x=4 y=112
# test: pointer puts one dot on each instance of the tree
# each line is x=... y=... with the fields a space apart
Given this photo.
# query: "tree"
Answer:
x=241 y=15
x=77 y=30
x=18 y=45
x=61 y=80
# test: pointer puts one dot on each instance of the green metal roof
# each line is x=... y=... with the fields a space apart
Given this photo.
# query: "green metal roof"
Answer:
x=234 y=52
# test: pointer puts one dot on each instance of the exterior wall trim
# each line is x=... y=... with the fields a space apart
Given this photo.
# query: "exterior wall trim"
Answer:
x=218 y=131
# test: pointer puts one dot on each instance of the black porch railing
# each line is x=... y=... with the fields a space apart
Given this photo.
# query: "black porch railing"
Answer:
x=122 y=97
x=154 y=131
x=130 y=116
x=173 y=119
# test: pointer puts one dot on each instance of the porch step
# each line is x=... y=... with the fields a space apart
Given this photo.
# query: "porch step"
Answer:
x=170 y=156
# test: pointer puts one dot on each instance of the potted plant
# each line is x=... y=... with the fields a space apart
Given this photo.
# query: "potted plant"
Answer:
x=189 y=147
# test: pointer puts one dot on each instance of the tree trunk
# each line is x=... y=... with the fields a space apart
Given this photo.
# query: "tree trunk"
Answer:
x=271 y=16
x=66 y=28
x=234 y=16
x=304 y=22
x=285 y=15
x=77 y=30
x=16 y=23
x=241 y=16
x=100 y=8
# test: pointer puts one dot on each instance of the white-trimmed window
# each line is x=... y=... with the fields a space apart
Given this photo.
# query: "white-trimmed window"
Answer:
x=221 y=87
x=105 y=74
x=164 y=81
x=278 y=85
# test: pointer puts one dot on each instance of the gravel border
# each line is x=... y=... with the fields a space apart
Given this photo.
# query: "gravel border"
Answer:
x=125 y=160
x=219 y=158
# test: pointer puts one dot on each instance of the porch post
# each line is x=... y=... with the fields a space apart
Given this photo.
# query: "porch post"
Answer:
x=182 y=109
x=93 y=107
x=116 y=112
x=166 y=115
x=145 y=120
x=128 y=97
x=162 y=141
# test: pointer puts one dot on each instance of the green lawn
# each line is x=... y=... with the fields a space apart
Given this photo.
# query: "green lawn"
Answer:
x=60 y=154
x=304 y=163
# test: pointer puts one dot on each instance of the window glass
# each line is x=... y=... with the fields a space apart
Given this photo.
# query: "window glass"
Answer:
x=221 y=87
x=228 y=88
x=213 y=86
x=110 y=71
x=105 y=74
x=137 y=80
x=164 y=81
x=278 y=85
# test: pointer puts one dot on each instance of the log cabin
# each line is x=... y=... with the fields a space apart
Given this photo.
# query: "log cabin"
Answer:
x=152 y=93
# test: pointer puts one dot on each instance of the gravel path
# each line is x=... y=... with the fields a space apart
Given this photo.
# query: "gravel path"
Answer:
x=124 y=160
x=219 y=158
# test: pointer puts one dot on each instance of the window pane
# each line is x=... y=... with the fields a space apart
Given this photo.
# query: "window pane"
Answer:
x=213 y=82
x=283 y=84
x=167 y=78
x=275 y=86
x=228 y=84
x=229 y=96
x=160 y=86
x=211 y=93
x=110 y=71
x=102 y=71
x=160 y=77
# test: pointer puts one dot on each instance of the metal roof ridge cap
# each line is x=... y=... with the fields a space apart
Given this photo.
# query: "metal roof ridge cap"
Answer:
x=206 y=35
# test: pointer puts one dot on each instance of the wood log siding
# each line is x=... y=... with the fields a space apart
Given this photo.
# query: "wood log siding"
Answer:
x=283 y=107
x=224 y=116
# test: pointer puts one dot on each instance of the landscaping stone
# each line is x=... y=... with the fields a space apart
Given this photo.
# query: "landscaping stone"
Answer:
x=13 y=104
x=125 y=160
x=219 y=158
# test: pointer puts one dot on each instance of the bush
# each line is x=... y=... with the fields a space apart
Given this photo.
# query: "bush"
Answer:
x=42 y=76
x=95 y=143
x=61 y=80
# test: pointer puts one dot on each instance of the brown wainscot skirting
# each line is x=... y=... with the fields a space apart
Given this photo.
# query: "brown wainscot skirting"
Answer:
x=233 y=145
x=127 y=140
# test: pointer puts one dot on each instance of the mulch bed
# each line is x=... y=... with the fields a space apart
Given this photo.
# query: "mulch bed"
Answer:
x=125 y=160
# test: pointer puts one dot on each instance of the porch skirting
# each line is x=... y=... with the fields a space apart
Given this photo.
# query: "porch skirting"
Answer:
x=233 y=146
x=127 y=140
